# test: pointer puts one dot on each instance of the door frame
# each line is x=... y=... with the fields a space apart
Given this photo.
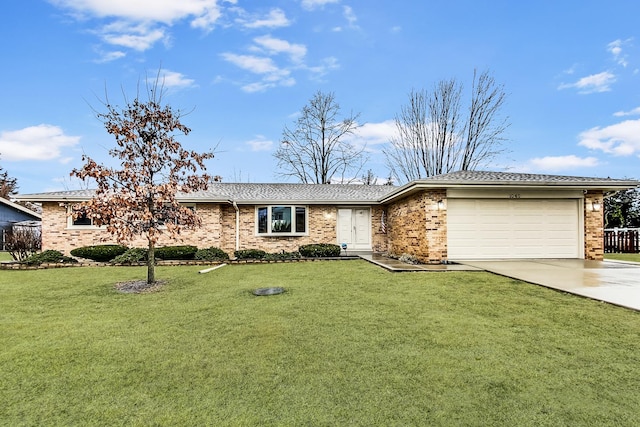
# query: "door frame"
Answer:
x=351 y=246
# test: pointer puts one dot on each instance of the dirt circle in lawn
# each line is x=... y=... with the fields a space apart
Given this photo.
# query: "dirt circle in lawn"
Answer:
x=139 y=286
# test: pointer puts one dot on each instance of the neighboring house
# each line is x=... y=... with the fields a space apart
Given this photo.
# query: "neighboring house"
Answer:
x=11 y=214
x=457 y=216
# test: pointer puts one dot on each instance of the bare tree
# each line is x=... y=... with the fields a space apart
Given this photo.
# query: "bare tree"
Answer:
x=315 y=150
x=369 y=178
x=23 y=241
x=139 y=198
x=435 y=137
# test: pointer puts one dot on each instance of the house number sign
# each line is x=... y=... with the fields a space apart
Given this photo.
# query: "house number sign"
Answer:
x=514 y=195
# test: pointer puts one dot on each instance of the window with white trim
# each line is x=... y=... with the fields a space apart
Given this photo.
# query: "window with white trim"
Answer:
x=284 y=220
x=81 y=221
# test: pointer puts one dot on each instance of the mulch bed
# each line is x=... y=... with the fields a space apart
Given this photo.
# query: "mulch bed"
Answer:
x=139 y=286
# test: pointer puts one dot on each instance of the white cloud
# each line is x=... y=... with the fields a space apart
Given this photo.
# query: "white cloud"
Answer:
x=260 y=143
x=372 y=134
x=600 y=82
x=207 y=20
x=165 y=11
x=272 y=45
x=42 y=142
x=272 y=75
x=172 y=79
x=138 y=37
x=255 y=64
x=276 y=70
x=140 y=24
x=109 y=56
x=275 y=19
x=620 y=139
x=616 y=49
x=327 y=65
x=560 y=163
x=350 y=16
x=314 y=4
x=634 y=112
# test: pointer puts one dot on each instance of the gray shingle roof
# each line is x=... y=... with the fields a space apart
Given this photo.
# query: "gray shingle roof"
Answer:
x=256 y=193
x=487 y=177
x=295 y=193
x=363 y=194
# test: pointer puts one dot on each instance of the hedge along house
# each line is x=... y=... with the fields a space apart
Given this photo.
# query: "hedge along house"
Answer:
x=457 y=216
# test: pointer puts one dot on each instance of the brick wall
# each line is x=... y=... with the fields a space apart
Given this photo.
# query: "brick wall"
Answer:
x=322 y=229
x=593 y=226
x=57 y=235
x=379 y=236
x=417 y=227
x=218 y=229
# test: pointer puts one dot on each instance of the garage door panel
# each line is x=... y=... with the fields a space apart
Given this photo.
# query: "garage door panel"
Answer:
x=513 y=228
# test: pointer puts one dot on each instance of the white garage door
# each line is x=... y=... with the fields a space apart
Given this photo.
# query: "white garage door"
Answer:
x=513 y=228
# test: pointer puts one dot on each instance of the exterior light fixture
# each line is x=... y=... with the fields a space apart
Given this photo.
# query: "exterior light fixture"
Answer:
x=596 y=206
x=440 y=205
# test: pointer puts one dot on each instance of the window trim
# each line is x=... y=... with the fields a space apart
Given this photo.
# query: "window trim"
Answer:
x=71 y=225
x=294 y=224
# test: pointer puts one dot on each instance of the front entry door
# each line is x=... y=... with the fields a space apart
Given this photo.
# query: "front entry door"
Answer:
x=354 y=228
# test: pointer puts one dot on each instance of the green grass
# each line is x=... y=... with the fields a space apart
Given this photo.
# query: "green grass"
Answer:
x=348 y=344
x=623 y=257
x=5 y=256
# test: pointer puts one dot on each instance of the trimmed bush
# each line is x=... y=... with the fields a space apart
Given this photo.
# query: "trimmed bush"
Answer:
x=320 y=250
x=282 y=256
x=250 y=254
x=211 y=254
x=49 y=256
x=100 y=253
x=176 y=252
x=131 y=256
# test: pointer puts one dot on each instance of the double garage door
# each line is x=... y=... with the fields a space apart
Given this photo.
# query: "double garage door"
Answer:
x=513 y=228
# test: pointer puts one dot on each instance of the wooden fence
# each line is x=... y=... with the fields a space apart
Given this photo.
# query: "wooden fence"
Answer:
x=622 y=240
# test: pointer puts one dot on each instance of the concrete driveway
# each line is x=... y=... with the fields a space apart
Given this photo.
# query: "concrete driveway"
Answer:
x=610 y=281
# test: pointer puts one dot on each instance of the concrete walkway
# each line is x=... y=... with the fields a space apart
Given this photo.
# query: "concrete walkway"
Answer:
x=394 y=265
x=614 y=282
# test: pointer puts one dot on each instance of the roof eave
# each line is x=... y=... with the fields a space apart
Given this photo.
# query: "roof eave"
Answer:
x=285 y=201
x=38 y=198
x=22 y=209
x=413 y=187
x=190 y=199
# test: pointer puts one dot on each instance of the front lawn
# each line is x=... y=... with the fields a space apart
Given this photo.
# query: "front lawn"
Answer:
x=623 y=257
x=348 y=344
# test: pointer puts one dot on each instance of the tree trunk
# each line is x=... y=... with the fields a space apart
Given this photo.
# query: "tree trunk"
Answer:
x=151 y=263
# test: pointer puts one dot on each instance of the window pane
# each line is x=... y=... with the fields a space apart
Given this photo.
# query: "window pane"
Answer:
x=82 y=220
x=262 y=220
x=281 y=219
x=300 y=220
x=82 y=217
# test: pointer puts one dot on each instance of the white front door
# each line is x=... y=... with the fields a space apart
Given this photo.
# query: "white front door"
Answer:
x=354 y=228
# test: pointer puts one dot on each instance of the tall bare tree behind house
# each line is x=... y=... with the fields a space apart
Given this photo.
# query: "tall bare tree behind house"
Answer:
x=315 y=150
x=435 y=136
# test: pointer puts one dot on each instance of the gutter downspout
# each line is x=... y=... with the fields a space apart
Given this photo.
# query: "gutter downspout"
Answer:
x=235 y=206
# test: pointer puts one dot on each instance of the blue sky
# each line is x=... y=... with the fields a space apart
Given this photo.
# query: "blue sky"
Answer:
x=243 y=69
